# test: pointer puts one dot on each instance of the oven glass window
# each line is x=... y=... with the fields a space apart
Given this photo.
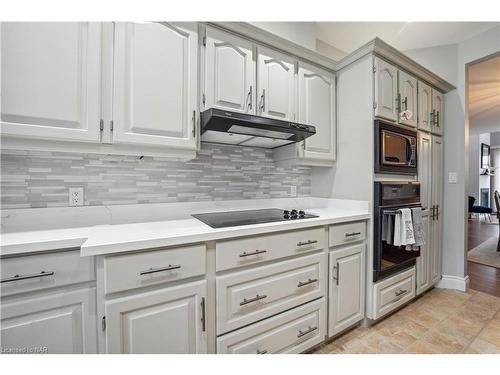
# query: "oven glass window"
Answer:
x=395 y=149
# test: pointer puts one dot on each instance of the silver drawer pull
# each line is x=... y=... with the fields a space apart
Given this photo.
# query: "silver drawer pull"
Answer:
x=351 y=234
x=261 y=351
x=154 y=270
x=400 y=292
x=309 y=330
x=304 y=283
x=310 y=242
x=25 y=277
x=256 y=252
x=255 y=299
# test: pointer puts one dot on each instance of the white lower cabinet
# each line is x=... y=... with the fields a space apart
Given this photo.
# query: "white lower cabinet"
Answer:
x=346 y=288
x=170 y=320
x=56 y=323
x=293 y=331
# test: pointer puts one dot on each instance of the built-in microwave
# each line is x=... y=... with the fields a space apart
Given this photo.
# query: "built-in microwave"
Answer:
x=395 y=149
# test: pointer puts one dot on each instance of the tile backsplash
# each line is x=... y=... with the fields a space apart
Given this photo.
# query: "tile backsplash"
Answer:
x=31 y=179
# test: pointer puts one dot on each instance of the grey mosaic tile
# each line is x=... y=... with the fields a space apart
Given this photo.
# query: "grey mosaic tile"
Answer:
x=42 y=179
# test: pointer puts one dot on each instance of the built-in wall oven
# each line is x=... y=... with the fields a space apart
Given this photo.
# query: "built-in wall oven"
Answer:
x=389 y=198
x=395 y=149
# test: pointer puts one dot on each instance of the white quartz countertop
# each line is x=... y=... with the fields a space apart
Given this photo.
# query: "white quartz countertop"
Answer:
x=115 y=238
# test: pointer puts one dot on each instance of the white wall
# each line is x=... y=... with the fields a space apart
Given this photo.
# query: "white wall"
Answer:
x=450 y=63
x=302 y=33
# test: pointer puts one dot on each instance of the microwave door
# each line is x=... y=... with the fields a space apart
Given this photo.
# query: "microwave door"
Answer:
x=395 y=149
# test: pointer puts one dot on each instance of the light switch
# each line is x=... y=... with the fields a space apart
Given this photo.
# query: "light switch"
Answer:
x=452 y=177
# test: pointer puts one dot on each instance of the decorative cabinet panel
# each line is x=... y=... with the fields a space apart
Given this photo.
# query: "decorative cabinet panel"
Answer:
x=425 y=169
x=346 y=296
x=424 y=107
x=167 y=321
x=63 y=322
x=437 y=203
x=386 y=90
x=407 y=98
x=424 y=279
x=316 y=106
x=229 y=72
x=275 y=84
x=50 y=84
x=437 y=112
x=155 y=84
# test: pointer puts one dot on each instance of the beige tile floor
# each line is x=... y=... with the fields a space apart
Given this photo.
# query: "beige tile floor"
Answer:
x=442 y=321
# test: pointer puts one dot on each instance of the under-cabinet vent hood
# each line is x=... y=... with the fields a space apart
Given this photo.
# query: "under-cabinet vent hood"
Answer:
x=221 y=126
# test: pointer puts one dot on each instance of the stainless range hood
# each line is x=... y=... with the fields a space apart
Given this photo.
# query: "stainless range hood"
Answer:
x=221 y=126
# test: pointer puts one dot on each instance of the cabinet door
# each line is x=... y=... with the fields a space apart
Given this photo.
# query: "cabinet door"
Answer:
x=407 y=98
x=167 y=321
x=346 y=295
x=437 y=200
x=275 y=83
x=50 y=85
x=425 y=169
x=155 y=84
x=424 y=106
x=424 y=277
x=386 y=90
x=229 y=72
x=438 y=112
x=59 y=323
x=316 y=106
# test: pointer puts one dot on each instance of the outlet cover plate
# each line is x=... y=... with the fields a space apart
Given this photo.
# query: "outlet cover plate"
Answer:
x=76 y=196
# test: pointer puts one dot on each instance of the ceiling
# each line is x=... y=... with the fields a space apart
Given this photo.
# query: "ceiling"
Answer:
x=484 y=96
x=348 y=36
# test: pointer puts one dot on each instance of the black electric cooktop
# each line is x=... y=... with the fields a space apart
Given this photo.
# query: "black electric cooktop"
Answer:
x=248 y=217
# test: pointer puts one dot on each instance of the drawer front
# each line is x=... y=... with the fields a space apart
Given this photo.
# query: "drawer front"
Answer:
x=124 y=272
x=41 y=271
x=241 y=252
x=247 y=296
x=394 y=292
x=342 y=234
x=293 y=331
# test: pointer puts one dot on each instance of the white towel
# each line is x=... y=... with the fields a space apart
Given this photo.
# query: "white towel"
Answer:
x=407 y=234
x=398 y=220
x=418 y=227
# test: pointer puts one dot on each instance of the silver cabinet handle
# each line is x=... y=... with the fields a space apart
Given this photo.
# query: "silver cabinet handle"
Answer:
x=437 y=119
x=304 y=283
x=256 y=252
x=203 y=315
x=437 y=211
x=352 y=234
x=309 y=242
x=154 y=270
x=26 y=277
x=405 y=102
x=308 y=330
x=250 y=101
x=263 y=101
x=194 y=124
x=336 y=277
x=255 y=299
x=401 y=292
x=261 y=351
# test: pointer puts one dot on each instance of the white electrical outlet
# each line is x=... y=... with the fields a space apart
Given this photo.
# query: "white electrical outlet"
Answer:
x=293 y=191
x=76 y=196
x=452 y=177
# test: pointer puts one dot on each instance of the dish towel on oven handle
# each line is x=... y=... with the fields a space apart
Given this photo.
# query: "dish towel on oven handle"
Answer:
x=403 y=228
x=418 y=229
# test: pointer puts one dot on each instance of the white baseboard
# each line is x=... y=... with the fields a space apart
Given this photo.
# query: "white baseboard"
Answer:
x=454 y=282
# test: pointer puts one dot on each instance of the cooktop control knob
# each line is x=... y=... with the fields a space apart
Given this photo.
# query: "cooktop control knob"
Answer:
x=286 y=214
x=302 y=214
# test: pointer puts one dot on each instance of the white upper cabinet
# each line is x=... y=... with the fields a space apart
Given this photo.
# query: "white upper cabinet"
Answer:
x=275 y=85
x=437 y=112
x=50 y=80
x=155 y=84
x=316 y=106
x=424 y=106
x=229 y=72
x=407 y=99
x=386 y=90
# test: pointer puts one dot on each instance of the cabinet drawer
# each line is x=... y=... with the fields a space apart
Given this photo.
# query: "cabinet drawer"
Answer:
x=394 y=292
x=293 y=331
x=341 y=234
x=247 y=296
x=253 y=250
x=34 y=272
x=124 y=272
